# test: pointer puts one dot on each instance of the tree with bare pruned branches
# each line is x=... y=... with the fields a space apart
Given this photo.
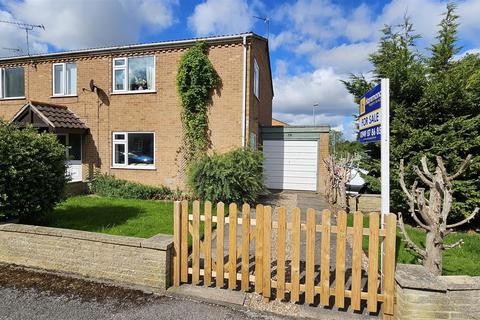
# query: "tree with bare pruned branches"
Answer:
x=432 y=214
x=339 y=174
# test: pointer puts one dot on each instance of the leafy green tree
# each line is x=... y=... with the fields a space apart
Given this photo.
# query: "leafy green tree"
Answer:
x=434 y=107
x=32 y=172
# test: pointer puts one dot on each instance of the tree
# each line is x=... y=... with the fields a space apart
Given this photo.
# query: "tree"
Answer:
x=32 y=172
x=433 y=211
x=339 y=171
x=434 y=108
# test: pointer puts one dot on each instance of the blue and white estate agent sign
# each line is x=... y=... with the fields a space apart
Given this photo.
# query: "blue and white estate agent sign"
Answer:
x=370 y=116
x=374 y=125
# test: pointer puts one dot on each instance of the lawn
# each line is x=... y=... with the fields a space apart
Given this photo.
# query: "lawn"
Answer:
x=126 y=217
x=458 y=261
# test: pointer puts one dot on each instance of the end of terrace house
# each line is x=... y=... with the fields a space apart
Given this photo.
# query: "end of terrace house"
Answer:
x=117 y=108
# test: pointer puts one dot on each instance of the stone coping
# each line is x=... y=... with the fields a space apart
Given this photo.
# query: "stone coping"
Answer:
x=417 y=277
x=158 y=242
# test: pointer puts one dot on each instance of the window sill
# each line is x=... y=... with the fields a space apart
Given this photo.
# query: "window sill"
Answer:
x=13 y=98
x=133 y=92
x=133 y=168
x=65 y=96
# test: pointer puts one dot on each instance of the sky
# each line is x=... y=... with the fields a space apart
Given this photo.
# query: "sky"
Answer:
x=313 y=43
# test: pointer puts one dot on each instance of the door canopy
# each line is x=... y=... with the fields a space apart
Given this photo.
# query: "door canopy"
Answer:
x=49 y=117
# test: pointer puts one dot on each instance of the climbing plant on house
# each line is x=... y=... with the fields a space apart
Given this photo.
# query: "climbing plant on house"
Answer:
x=196 y=78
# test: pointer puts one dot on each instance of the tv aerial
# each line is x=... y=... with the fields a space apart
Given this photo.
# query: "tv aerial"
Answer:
x=16 y=50
x=267 y=22
x=25 y=26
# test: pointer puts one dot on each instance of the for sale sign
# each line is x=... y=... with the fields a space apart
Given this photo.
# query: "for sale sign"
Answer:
x=370 y=116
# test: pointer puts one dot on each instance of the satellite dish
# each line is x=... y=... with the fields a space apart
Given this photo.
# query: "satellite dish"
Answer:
x=92 y=85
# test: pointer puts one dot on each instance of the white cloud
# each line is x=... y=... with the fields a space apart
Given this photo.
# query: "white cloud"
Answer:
x=345 y=58
x=221 y=17
x=281 y=68
x=281 y=39
x=297 y=94
x=84 y=24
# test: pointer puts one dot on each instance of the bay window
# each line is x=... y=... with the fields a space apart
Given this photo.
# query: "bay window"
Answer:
x=134 y=74
x=64 y=79
x=12 y=83
x=133 y=149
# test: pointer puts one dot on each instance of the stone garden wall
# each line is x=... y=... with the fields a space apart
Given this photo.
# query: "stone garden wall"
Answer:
x=421 y=295
x=128 y=260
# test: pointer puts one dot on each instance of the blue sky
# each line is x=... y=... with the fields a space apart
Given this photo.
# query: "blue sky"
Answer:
x=314 y=43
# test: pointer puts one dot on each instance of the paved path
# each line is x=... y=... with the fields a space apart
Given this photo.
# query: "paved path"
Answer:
x=26 y=295
x=290 y=200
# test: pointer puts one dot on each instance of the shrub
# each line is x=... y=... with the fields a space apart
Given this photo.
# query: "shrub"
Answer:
x=106 y=185
x=233 y=177
x=32 y=172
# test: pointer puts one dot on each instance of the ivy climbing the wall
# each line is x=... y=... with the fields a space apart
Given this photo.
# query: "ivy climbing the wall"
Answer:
x=196 y=79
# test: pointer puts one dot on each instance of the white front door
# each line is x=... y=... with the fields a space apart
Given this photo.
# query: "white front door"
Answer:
x=290 y=164
x=73 y=142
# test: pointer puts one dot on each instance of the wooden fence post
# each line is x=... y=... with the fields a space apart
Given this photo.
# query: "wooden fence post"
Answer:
x=232 y=246
x=340 y=259
x=259 y=249
x=325 y=259
x=219 y=280
x=357 y=260
x=184 y=243
x=177 y=231
x=196 y=243
x=267 y=253
x=296 y=231
x=207 y=244
x=373 y=245
x=389 y=263
x=310 y=258
x=281 y=252
x=245 y=247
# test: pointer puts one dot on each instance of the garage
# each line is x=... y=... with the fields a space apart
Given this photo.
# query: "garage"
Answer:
x=293 y=157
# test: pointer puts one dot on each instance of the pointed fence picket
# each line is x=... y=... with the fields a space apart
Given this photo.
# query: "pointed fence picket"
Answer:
x=279 y=276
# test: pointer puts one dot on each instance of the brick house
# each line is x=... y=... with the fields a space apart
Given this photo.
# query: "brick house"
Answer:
x=117 y=109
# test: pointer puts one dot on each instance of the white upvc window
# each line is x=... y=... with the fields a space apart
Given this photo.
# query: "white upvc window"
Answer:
x=256 y=79
x=134 y=150
x=64 y=79
x=12 y=83
x=134 y=74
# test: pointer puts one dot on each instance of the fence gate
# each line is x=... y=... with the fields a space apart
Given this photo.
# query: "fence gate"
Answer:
x=248 y=265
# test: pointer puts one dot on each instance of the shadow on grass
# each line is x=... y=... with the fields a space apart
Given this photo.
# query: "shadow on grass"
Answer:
x=94 y=218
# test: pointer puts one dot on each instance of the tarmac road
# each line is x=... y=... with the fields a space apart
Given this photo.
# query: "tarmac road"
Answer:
x=26 y=295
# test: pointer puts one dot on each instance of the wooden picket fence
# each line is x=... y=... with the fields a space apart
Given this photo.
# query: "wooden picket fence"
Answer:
x=252 y=266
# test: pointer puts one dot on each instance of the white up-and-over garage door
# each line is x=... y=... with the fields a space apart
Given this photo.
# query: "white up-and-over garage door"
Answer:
x=290 y=164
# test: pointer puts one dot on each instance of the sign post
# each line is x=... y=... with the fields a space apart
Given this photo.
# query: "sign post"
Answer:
x=374 y=125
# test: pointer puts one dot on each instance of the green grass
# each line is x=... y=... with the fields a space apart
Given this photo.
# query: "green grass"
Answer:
x=126 y=217
x=458 y=261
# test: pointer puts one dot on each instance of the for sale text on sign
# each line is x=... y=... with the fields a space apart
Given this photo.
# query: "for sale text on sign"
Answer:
x=369 y=118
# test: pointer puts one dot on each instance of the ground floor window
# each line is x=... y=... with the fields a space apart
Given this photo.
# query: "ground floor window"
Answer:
x=133 y=149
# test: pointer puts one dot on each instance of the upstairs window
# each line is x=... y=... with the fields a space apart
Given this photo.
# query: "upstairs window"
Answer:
x=12 y=83
x=256 y=79
x=64 y=79
x=134 y=74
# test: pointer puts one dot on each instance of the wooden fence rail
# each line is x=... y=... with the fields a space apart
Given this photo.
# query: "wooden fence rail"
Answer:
x=248 y=264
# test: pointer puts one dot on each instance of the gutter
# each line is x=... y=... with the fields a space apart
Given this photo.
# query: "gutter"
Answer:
x=244 y=91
